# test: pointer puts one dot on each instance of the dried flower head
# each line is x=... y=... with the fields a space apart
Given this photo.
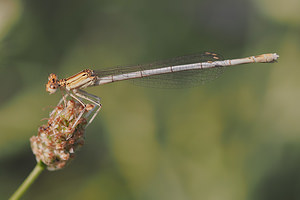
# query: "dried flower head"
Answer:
x=57 y=142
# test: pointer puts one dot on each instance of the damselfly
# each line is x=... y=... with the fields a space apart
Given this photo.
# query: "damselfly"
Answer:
x=186 y=70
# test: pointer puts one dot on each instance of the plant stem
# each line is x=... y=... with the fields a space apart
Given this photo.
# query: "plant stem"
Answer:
x=28 y=181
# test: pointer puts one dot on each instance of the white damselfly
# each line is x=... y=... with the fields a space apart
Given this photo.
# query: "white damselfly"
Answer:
x=177 y=72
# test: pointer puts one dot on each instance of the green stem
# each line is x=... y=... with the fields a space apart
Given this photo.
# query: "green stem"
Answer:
x=28 y=181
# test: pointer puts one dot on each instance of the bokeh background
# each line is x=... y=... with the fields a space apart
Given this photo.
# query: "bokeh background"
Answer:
x=237 y=137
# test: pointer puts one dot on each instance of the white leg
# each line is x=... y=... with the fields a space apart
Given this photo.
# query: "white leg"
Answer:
x=77 y=98
x=78 y=95
x=91 y=98
x=60 y=101
x=64 y=98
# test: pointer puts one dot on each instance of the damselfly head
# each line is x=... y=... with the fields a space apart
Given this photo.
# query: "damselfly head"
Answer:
x=52 y=84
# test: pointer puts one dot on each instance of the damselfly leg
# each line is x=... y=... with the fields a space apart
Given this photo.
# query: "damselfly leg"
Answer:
x=95 y=100
x=80 y=96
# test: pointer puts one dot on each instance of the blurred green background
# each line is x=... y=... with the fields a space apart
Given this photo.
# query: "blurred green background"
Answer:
x=237 y=137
